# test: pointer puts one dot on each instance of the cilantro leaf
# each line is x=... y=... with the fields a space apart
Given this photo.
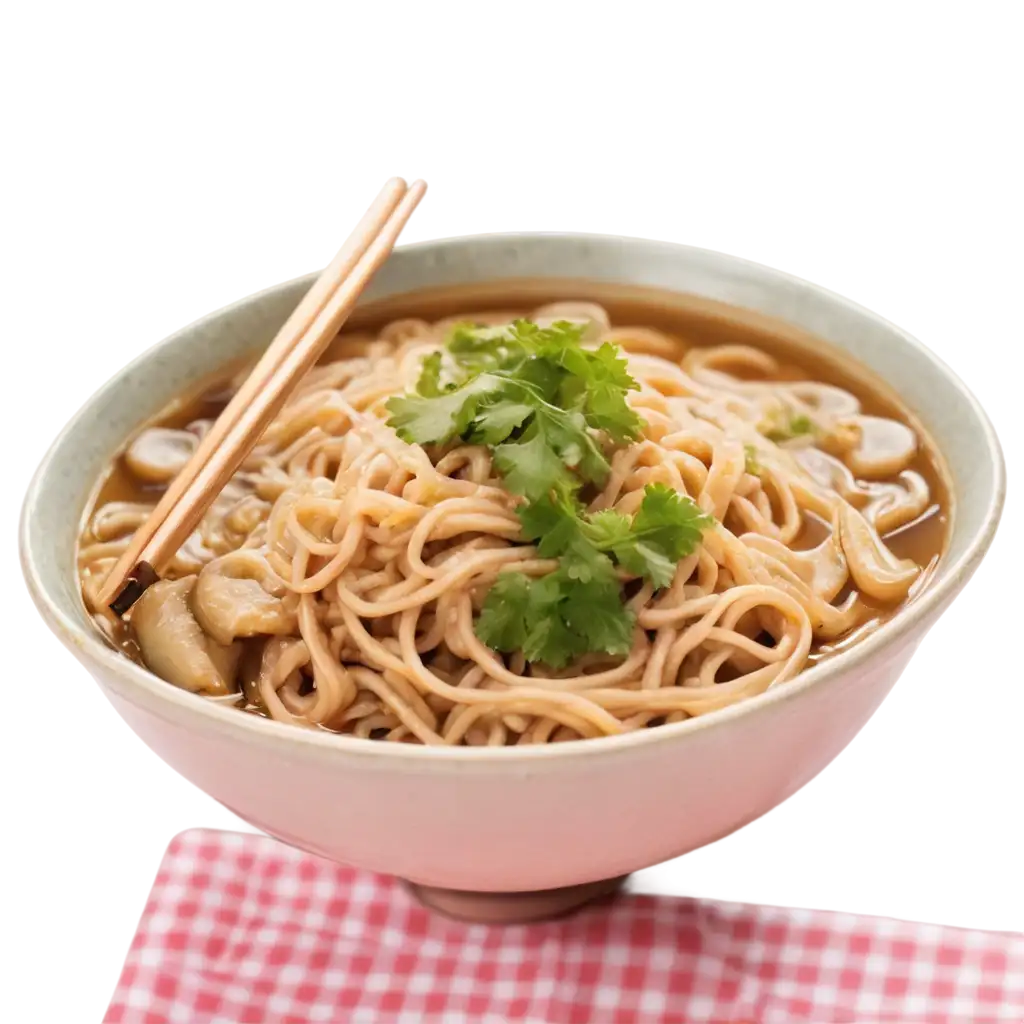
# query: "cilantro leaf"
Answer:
x=504 y=621
x=557 y=524
x=566 y=433
x=597 y=613
x=666 y=528
x=484 y=348
x=429 y=383
x=550 y=640
x=545 y=405
x=612 y=531
x=552 y=523
x=554 y=619
x=496 y=421
x=671 y=521
x=751 y=462
x=532 y=467
x=436 y=419
x=608 y=528
x=606 y=408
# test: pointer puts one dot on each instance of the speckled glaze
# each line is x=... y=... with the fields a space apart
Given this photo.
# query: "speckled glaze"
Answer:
x=532 y=818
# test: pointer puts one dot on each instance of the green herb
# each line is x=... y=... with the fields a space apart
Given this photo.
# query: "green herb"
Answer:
x=556 y=618
x=579 y=607
x=542 y=402
x=795 y=426
x=666 y=528
x=751 y=463
x=523 y=385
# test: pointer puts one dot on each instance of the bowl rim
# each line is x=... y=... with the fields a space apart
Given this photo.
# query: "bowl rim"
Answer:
x=159 y=697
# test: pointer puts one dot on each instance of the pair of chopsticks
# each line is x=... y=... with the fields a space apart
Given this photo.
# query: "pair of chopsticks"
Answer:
x=292 y=353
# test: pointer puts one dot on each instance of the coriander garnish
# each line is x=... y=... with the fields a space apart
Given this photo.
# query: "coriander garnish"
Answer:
x=543 y=403
x=799 y=425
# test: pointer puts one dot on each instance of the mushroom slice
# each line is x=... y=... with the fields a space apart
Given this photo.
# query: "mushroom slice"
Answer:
x=237 y=595
x=830 y=472
x=174 y=645
x=884 y=447
x=895 y=505
x=158 y=454
x=823 y=568
x=825 y=399
x=876 y=571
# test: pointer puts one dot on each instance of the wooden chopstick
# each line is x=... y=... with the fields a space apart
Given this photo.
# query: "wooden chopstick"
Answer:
x=294 y=351
x=291 y=331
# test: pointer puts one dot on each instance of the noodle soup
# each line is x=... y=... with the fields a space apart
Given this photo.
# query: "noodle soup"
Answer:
x=628 y=508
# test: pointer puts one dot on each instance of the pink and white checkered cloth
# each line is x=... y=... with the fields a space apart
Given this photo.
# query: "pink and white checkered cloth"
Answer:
x=240 y=928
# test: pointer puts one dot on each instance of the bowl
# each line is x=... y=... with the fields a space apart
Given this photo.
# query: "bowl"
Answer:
x=559 y=823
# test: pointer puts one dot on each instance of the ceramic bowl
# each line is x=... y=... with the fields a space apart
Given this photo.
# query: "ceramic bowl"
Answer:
x=519 y=819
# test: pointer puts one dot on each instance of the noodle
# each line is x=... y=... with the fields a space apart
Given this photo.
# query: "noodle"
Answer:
x=336 y=581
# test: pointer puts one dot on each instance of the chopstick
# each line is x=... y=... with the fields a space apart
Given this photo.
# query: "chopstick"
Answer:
x=293 y=352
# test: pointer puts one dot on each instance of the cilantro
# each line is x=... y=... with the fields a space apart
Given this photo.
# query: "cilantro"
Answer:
x=534 y=392
x=666 y=528
x=557 y=524
x=554 y=523
x=437 y=419
x=751 y=463
x=670 y=521
x=494 y=423
x=429 y=383
x=507 y=614
x=531 y=468
x=795 y=426
x=554 y=619
x=594 y=610
x=543 y=403
x=582 y=598
x=604 y=381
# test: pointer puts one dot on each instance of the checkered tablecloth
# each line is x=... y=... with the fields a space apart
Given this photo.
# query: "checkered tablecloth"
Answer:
x=240 y=928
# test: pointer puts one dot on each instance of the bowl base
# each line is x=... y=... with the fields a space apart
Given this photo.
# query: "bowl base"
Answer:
x=512 y=907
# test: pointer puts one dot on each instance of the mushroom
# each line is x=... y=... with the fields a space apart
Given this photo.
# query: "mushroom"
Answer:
x=237 y=595
x=883 y=447
x=174 y=645
x=876 y=571
x=823 y=568
x=824 y=399
x=158 y=454
x=896 y=504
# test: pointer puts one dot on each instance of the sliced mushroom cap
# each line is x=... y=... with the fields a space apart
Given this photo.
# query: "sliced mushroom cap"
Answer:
x=896 y=504
x=237 y=595
x=823 y=568
x=826 y=399
x=828 y=471
x=884 y=447
x=877 y=572
x=158 y=454
x=173 y=644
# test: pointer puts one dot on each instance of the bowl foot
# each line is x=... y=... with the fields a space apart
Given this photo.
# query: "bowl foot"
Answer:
x=512 y=907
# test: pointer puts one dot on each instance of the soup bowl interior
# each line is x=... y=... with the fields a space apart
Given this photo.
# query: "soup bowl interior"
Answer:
x=520 y=818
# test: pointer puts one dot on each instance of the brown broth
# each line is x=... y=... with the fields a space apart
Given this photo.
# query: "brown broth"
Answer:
x=691 y=321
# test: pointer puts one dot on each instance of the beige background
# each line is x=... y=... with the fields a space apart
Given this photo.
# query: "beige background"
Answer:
x=152 y=162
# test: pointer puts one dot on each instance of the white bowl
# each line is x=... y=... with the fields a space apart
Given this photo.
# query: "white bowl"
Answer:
x=519 y=818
